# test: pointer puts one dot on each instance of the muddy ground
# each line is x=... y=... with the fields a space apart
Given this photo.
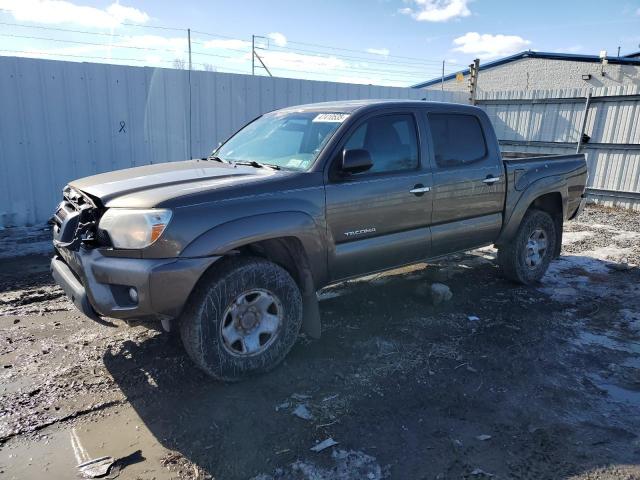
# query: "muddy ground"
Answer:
x=501 y=381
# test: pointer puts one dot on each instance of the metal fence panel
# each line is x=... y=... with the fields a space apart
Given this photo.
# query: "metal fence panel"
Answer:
x=550 y=121
x=65 y=120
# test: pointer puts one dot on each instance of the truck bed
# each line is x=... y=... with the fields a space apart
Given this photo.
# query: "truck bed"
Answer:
x=527 y=155
x=526 y=169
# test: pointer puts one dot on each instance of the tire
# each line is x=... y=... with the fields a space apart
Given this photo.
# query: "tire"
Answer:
x=517 y=261
x=232 y=300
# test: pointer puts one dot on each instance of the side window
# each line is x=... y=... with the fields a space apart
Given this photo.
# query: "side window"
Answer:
x=457 y=139
x=390 y=140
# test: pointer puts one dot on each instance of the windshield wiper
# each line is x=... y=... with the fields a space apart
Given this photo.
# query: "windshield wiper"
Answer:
x=255 y=164
x=215 y=159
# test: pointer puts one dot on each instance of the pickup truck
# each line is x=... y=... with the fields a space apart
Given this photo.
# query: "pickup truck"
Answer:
x=231 y=250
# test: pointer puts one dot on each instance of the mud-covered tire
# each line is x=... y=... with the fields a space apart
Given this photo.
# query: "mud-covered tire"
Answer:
x=512 y=258
x=201 y=321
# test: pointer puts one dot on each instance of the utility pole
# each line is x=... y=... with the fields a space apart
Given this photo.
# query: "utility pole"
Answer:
x=262 y=63
x=255 y=55
x=189 y=41
x=189 y=80
x=442 y=80
x=474 y=68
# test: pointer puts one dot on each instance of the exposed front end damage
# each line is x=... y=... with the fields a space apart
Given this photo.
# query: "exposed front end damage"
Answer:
x=102 y=281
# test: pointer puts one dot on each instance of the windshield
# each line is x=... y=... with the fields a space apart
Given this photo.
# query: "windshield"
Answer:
x=289 y=140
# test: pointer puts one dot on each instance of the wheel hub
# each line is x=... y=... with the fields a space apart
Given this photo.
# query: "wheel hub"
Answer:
x=251 y=323
x=248 y=320
x=536 y=248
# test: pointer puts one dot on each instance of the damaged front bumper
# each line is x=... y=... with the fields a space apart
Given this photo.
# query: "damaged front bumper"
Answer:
x=126 y=288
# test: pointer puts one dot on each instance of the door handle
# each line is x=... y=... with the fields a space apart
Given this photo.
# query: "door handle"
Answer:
x=491 y=180
x=419 y=189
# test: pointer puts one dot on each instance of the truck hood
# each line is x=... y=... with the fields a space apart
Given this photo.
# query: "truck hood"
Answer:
x=151 y=185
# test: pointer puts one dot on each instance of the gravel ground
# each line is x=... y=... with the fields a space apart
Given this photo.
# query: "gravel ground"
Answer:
x=501 y=381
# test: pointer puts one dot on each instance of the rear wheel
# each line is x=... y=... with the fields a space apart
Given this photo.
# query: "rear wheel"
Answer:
x=527 y=257
x=242 y=319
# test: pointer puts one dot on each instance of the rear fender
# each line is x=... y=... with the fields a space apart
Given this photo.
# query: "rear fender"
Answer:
x=543 y=186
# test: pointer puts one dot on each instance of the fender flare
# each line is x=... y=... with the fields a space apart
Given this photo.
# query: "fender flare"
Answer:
x=538 y=188
x=312 y=268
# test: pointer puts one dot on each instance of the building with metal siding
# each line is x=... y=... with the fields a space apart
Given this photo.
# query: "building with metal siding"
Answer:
x=544 y=71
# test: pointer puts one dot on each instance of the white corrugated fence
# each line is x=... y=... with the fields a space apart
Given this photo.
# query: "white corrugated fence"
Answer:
x=550 y=121
x=64 y=120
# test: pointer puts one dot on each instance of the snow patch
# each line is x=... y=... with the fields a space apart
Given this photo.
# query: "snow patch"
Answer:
x=348 y=465
x=573 y=237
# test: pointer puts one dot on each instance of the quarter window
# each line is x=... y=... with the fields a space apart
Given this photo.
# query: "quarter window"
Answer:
x=457 y=139
x=390 y=140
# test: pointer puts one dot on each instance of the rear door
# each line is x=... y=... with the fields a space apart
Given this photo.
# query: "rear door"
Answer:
x=379 y=218
x=468 y=181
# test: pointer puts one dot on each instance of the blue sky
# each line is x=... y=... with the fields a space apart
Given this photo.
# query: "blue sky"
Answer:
x=390 y=42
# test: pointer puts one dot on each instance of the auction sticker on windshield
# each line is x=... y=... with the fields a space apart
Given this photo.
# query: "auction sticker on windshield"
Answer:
x=331 y=117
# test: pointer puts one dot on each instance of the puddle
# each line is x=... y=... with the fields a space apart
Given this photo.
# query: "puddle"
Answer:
x=55 y=452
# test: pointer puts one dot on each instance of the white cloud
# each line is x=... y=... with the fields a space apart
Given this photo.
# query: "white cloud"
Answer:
x=231 y=43
x=175 y=45
x=305 y=63
x=437 y=10
x=487 y=46
x=278 y=38
x=60 y=11
x=379 y=51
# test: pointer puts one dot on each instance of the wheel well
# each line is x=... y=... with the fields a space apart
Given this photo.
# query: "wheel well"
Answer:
x=287 y=252
x=552 y=204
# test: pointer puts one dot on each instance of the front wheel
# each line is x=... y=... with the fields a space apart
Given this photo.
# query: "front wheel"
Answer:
x=527 y=257
x=242 y=319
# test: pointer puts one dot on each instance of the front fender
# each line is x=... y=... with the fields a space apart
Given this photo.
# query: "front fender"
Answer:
x=228 y=236
x=515 y=212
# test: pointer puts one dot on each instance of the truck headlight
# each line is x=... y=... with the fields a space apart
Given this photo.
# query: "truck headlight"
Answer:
x=134 y=228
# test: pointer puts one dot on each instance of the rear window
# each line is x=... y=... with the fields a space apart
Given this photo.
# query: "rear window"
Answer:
x=457 y=139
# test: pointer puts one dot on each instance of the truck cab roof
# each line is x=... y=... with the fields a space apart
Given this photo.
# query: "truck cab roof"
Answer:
x=351 y=106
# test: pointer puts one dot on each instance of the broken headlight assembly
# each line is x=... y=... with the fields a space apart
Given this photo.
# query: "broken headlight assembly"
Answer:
x=134 y=228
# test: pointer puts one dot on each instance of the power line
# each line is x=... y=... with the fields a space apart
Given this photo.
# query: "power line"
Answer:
x=34 y=52
x=158 y=27
x=362 y=59
x=358 y=51
x=57 y=29
x=387 y=79
x=217 y=35
x=86 y=43
x=391 y=73
x=93 y=57
x=418 y=73
x=224 y=48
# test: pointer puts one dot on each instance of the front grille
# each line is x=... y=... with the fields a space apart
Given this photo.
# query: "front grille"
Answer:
x=75 y=220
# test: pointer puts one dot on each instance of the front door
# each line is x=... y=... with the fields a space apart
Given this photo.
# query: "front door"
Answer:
x=380 y=218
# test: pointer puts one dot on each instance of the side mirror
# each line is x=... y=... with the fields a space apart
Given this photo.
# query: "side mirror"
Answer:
x=356 y=161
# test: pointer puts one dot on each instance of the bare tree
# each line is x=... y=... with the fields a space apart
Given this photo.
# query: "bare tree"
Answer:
x=179 y=64
x=207 y=67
